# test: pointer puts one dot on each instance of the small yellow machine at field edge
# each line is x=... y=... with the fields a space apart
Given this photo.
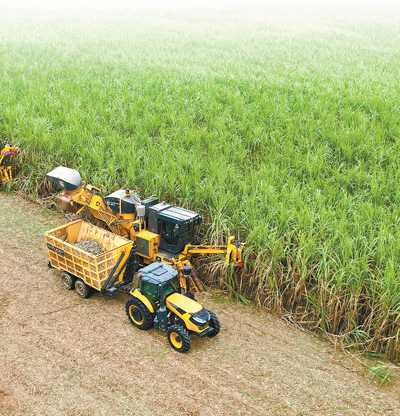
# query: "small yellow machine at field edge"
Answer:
x=5 y=171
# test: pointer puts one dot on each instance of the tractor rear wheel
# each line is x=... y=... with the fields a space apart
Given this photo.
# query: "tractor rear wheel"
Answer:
x=139 y=314
x=214 y=323
x=179 y=338
x=67 y=280
x=82 y=289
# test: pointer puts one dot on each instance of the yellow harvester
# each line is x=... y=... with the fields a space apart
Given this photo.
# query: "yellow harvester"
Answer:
x=161 y=232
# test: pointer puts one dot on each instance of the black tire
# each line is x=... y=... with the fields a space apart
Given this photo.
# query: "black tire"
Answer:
x=67 y=280
x=179 y=338
x=139 y=314
x=82 y=289
x=214 y=323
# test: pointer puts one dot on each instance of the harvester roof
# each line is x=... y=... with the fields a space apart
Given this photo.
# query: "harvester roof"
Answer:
x=178 y=215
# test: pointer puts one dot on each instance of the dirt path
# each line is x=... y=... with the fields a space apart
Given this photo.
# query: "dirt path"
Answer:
x=62 y=355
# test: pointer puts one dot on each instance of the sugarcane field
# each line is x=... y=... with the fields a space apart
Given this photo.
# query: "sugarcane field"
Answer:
x=199 y=207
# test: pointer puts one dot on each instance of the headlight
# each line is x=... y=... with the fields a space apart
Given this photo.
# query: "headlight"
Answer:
x=199 y=320
x=199 y=323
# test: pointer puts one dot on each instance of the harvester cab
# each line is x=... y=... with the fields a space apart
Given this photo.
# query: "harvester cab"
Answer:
x=6 y=171
x=159 y=303
x=175 y=225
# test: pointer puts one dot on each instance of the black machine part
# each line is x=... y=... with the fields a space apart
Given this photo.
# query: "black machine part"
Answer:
x=187 y=271
x=149 y=202
x=66 y=178
x=161 y=319
x=123 y=199
x=130 y=267
x=153 y=225
x=176 y=226
x=174 y=215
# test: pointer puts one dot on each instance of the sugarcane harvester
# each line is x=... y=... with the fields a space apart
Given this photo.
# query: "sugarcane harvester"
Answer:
x=6 y=171
x=160 y=231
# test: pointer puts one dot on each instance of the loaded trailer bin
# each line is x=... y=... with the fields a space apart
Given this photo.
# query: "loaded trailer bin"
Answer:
x=96 y=271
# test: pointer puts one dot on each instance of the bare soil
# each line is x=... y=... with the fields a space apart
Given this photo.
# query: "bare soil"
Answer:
x=62 y=355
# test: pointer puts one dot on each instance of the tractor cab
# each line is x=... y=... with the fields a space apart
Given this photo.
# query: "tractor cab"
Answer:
x=177 y=226
x=154 y=275
x=158 y=303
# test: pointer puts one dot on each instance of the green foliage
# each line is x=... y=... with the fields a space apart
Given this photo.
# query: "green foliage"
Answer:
x=383 y=372
x=285 y=135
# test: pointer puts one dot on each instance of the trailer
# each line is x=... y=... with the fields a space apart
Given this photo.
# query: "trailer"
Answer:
x=84 y=271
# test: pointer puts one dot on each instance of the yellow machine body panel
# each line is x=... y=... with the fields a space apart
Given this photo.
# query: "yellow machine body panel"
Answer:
x=147 y=244
x=184 y=303
x=185 y=307
x=143 y=298
x=176 y=300
x=5 y=174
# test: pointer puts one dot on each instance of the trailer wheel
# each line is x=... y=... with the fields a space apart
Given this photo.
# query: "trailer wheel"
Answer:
x=139 y=314
x=67 y=280
x=214 y=323
x=179 y=338
x=82 y=289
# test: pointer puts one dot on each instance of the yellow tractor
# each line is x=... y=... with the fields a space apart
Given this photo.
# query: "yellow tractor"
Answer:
x=161 y=232
x=159 y=303
x=5 y=171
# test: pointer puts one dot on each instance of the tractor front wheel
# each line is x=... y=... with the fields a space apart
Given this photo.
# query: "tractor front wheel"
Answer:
x=67 y=280
x=179 y=338
x=139 y=314
x=214 y=323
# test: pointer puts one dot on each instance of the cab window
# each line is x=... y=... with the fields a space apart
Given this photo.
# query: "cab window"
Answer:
x=171 y=286
x=150 y=290
x=167 y=232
